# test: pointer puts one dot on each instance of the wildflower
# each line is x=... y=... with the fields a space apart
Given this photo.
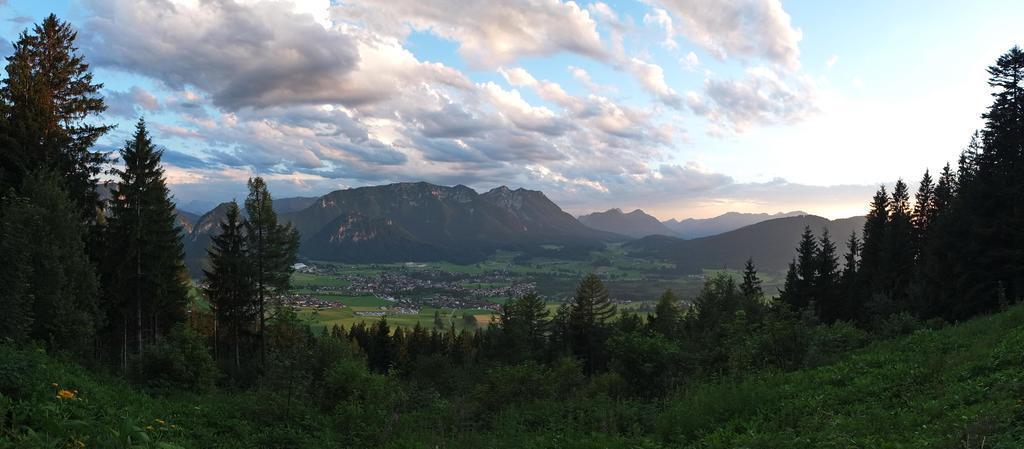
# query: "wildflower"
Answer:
x=160 y=421
x=149 y=428
x=65 y=394
x=77 y=442
x=55 y=385
x=174 y=426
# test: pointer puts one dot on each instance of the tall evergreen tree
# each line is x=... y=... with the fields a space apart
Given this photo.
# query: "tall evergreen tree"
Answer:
x=48 y=109
x=924 y=208
x=899 y=245
x=826 y=282
x=272 y=250
x=799 y=293
x=144 y=264
x=54 y=297
x=589 y=314
x=872 y=269
x=849 y=310
x=666 y=317
x=751 y=285
x=229 y=285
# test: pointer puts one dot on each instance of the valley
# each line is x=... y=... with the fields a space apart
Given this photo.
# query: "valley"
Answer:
x=442 y=294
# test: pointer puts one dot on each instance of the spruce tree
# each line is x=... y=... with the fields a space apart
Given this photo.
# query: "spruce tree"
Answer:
x=229 y=285
x=54 y=297
x=144 y=264
x=826 y=281
x=849 y=309
x=924 y=208
x=590 y=311
x=899 y=245
x=800 y=292
x=272 y=250
x=872 y=262
x=751 y=285
x=666 y=317
x=49 y=105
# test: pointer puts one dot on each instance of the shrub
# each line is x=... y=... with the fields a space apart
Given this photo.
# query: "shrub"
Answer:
x=828 y=342
x=181 y=361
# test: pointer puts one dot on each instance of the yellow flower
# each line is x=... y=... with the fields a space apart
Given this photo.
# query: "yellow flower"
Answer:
x=65 y=394
x=160 y=421
x=55 y=385
x=149 y=428
x=174 y=426
x=77 y=442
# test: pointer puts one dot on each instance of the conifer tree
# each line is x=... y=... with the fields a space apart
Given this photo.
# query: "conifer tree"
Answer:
x=48 y=109
x=899 y=248
x=826 y=280
x=54 y=298
x=751 y=285
x=849 y=309
x=872 y=269
x=144 y=262
x=272 y=249
x=799 y=291
x=229 y=286
x=666 y=317
x=590 y=311
x=924 y=208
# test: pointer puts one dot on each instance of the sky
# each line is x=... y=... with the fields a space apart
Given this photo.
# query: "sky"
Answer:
x=683 y=108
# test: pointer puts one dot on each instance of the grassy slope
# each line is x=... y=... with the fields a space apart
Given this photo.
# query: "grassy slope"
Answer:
x=960 y=387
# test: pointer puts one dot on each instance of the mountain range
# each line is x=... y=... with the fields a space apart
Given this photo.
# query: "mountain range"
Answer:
x=692 y=228
x=414 y=222
x=635 y=224
x=425 y=222
x=771 y=244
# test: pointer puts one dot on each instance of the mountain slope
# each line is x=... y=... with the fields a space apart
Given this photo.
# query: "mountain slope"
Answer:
x=770 y=243
x=635 y=224
x=692 y=228
x=421 y=222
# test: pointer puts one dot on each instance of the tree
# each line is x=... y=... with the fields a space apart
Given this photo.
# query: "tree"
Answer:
x=229 y=286
x=527 y=318
x=849 y=309
x=872 y=253
x=826 y=282
x=590 y=311
x=924 y=208
x=49 y=105
x=666 y=317
x=144 y=261
x=899 y=245
x=54 y=297
x=800 y=293
x=751 y=285
x=272 y=250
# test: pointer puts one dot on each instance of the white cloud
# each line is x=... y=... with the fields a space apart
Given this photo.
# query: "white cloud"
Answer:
x=489 y=34
x=661 y=18
x=739 y=28
x=832 y=60
x=691 y=61
x=762 y=97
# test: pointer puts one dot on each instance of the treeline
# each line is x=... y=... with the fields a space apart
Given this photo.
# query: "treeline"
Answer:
x=954 y=252
x=101 y=277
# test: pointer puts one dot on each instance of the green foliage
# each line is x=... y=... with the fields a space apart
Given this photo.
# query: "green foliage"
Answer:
x=53 y=291
x=179 y=362
x=649 y=363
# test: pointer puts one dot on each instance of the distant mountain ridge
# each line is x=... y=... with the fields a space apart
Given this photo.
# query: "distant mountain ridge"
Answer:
x=635 y=224
x=692 y=228
x=415 y=222
x=771 y=243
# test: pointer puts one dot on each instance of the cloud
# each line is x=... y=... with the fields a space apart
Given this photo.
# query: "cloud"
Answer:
x=243 y=55
x=761 y=97
x=832 y=60
x=183 y=160
x=489 y=34
x=661 y=18
x=652 y=79
x=739 y=28
x=690 y=61
x=131 y=103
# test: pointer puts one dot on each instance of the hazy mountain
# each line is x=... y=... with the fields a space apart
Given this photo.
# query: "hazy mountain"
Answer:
x=294 y=204
x=635 y=224
x=197 y=207
x=199 y=238
x=771 y=243
x=421 y=221
x=692 y=228
x=186 y=220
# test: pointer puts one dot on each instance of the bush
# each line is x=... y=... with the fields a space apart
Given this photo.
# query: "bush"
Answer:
x=647 y=362
x=181 y=361
x=828 y=342
x=896 y=324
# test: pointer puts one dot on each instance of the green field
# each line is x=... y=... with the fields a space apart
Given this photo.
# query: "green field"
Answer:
x=327 y=318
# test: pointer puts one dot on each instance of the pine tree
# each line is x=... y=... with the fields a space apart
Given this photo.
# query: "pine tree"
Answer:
x=533 y=314
x=899 y=248
x=49 y=104
x=272 y=250
x=144 y=264
x=849 y=310
x=55 y=298
x=872 y=269
x=229 y=286
x=924 y=209
x=751 y=286
x=826 y=282
x=590 y=311
x=800 y=293
x=666 y=317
